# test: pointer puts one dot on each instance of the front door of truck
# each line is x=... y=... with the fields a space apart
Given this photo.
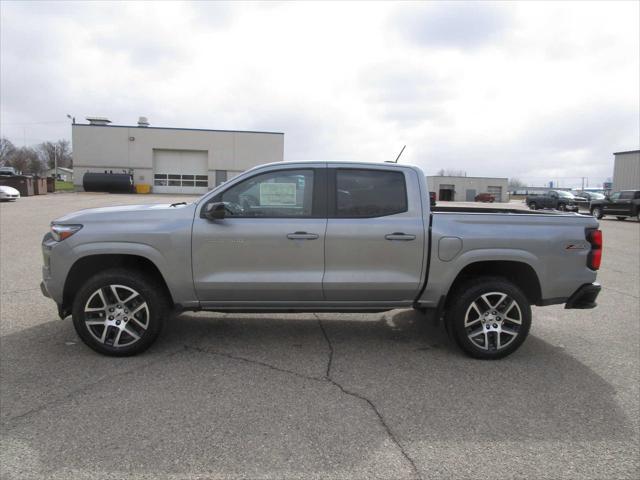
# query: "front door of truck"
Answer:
x=375 y=235
x=270 y=245
x=611 y=204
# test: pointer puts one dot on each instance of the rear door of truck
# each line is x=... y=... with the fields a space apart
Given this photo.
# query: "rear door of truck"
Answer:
x=375 y=234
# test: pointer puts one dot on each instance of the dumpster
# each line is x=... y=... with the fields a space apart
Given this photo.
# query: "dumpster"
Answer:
x=39 y=185
x=21 y=183
x=51 y=184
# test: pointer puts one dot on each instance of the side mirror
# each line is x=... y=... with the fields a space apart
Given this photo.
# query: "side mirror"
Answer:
x=213 y=211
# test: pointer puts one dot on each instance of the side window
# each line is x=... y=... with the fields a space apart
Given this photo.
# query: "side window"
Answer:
x=369 y=193
x=626 y=195
x=278 y=194
x=615 y=196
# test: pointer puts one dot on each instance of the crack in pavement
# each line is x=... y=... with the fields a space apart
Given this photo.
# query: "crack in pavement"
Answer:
x=7 y=423
x=359 y=396
x=325 y=379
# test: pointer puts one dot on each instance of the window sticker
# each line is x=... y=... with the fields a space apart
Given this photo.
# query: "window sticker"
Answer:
x=277 y=194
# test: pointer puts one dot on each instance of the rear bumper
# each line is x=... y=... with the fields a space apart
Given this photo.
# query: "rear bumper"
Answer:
x=584 y=297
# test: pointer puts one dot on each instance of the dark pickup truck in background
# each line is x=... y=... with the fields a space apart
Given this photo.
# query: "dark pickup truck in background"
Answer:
x=619 y=204
x=554 y=199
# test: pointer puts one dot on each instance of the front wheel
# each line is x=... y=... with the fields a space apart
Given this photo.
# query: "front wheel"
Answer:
x=119 y=312
x=597 y=212
x=621 y=218
x=533 y=206
x=489 y=317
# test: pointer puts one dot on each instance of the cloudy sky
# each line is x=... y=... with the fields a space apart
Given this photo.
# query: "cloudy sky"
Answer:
x=535 y=90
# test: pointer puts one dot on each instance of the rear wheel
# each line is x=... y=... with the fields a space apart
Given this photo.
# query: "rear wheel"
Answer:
x=621 y=218
x=533 y=206
x=119 y=312
x=489 y=318
x=562 y=207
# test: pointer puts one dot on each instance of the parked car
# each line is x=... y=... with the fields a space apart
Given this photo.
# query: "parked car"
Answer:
x=555 y=199
x=485 y=197
x=9 y=194
x=8 y=171
x=432 y=199
x=583 y=198
x=619 y=204
x=301 y=247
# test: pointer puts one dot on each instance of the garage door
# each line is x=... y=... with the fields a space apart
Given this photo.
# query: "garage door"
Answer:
x=496 y=192
x=180 y=171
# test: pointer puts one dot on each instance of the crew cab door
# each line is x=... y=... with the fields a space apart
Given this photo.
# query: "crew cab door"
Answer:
x=269 y=247
x=375 y=235
x=611 y=205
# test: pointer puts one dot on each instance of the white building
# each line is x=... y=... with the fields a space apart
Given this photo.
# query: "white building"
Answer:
x=465 y=189
x=626 y=170
x=62 y=173
x=171 y=160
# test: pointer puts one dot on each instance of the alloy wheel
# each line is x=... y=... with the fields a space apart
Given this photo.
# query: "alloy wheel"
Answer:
x=493 y=320
x=116 y=315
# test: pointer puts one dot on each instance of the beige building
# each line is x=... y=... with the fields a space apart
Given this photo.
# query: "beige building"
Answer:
x=465 y=189
x=171 y=160
x=626 y=170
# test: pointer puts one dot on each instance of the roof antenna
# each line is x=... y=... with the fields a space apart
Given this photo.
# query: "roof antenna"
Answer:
x=398 y=157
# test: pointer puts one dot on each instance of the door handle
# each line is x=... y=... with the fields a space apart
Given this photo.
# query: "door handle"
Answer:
x=302 y=236
x=400 y=236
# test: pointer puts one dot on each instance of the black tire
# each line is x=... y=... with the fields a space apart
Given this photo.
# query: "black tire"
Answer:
x=562 y=207
x=461 y=305
x=147 y=323
x=597 y=212
x=533 y=206
x=621 y=218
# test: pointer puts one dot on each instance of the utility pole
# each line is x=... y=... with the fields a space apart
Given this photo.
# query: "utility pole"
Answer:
x=55 y=162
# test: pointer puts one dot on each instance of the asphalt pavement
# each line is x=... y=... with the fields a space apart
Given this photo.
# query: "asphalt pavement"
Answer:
x=314 y=396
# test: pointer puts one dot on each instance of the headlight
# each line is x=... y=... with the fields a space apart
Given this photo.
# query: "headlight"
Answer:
x=61 y=232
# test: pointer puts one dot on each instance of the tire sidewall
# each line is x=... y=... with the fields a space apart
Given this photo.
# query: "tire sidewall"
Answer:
x=150 y=292
x=469 y=293
x=597 y=212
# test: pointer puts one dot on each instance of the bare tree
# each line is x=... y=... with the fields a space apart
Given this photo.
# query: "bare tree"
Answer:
x=26 y=160
x=49 y=150
x=7 y=149
x=515 y=183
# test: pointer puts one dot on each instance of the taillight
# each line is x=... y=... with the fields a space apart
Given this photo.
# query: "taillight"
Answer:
x=594 y=237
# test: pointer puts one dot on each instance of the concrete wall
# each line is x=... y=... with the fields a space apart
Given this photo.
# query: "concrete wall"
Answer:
x=462 y=184
x=626 y=171
x=99 y=148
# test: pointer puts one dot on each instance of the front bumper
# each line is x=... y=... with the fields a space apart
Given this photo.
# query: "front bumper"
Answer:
x=584 y=297
x=43 y=289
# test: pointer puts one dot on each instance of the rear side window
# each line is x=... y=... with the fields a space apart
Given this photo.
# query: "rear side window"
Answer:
x=369 y=193
x=626 y=195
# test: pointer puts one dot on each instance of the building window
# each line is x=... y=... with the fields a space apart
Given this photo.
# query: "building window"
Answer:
x=221 y=177
x=176 y=180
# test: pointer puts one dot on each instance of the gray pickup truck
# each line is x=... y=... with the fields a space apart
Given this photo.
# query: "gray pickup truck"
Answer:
x=318 y=237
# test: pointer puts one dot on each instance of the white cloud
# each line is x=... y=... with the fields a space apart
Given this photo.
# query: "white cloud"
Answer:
x=520 y=89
